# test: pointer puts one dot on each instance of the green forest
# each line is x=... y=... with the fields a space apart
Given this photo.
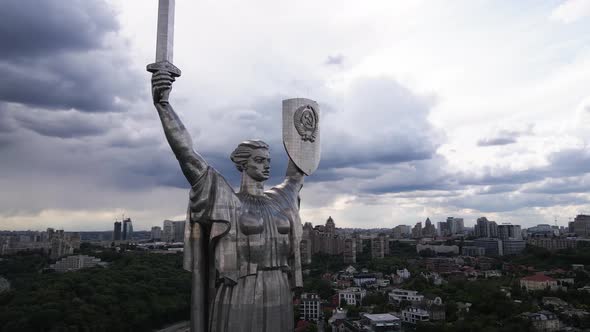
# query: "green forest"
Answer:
x=137 y=292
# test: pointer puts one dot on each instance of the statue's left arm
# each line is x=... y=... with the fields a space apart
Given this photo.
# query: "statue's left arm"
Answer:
x=295 y=174
x=296 y=177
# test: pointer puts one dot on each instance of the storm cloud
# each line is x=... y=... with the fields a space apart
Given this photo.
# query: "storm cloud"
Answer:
x=57 y=56
x=80 y=140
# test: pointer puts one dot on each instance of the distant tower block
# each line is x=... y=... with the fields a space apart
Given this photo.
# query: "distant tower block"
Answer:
x=330 y=226
x=350 y=251
x=117 y=231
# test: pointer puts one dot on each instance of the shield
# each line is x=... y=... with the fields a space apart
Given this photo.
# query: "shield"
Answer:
x=301 y=133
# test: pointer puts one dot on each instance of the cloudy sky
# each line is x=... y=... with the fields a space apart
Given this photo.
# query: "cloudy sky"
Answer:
x=429 y=108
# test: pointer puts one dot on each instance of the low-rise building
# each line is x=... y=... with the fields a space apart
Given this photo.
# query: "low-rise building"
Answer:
x=75 y=262
x=310 y=308
x=436 y=309
x=403 y=273
x=338 y=317
x=352 y=295
x=473 y=251
x=554 y=301
x=380 y=323
x=493 y=247
x=544 y=321
x=513 y=246
x=438 y=249
x=538 y=281
x=440 y=264
x=552 y=243
x=398 y=295
x=361 y=279
x=414 y=315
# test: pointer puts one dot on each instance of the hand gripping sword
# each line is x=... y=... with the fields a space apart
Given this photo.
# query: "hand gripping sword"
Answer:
x=165 y=40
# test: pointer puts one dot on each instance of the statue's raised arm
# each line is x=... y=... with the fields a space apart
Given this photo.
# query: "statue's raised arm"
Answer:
x=191 y=163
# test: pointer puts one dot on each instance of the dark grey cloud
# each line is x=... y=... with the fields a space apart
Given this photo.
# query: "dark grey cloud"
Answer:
x=336 y=59
x=553 y=186
x=497 y=189
x=97 y=81
x=567 y=162
x=500 y=176
x=493 y=141
x=513 y=201
x=6 y=121
x=381 y=122
x=46 y=27
x=505 y=137
x=62 y=124
x=55 y=57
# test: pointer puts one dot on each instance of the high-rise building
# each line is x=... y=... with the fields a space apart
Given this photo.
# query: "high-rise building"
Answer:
x=486 y=228
x=582 y=225
x=508 y=231
x=350 y=251
x=321 y=239
x=379 y=246
x=443 y=229
x=117 y=231
x=402 y=231
x=330 y=226
x=61 y=245
x=127 y=232
x=417 y=230
x=455 y=225
x=305 y=249
x=429 y=229
x=156 y=233
x=178 y=227
x=168 y=231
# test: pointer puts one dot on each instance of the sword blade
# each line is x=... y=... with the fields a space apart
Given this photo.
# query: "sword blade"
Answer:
x=165 y=34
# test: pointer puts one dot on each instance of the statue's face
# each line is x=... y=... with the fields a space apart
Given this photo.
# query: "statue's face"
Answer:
x=258 y=166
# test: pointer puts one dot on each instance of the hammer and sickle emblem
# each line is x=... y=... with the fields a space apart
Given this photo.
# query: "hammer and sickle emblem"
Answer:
x=305 y=121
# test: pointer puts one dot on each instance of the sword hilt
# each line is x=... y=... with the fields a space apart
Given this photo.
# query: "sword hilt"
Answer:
x=163 y=66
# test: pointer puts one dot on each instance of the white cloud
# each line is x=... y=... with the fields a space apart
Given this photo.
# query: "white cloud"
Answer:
x=571 y=11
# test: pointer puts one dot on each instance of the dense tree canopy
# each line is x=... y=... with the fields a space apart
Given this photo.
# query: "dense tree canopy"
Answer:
x=137 y=292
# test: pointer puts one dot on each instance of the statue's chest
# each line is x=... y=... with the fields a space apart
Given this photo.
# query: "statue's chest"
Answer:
x=262 y=217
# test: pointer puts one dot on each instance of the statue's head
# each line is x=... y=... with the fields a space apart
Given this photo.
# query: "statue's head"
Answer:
x=253 y=158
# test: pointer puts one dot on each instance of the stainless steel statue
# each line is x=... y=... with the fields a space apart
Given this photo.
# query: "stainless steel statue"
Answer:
x=242 y=248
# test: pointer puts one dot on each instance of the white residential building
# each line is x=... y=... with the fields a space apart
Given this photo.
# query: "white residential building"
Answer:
x=75 y=262
x=352 y=295
x=398 y=295
x=415 y=315
x=381 y=322
x=404 y=274
x=310 y=307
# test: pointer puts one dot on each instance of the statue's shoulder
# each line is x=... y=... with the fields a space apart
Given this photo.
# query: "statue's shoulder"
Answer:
x=285 y=193
x=212 y=189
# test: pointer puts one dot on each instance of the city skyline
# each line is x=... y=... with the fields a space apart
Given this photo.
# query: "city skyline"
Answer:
x=486 y=116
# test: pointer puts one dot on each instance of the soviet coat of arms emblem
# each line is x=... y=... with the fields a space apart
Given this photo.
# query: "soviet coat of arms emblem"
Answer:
x=301 y=133
x=305 y=121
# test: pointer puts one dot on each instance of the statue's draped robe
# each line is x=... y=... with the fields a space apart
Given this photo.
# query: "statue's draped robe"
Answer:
x=247 y=261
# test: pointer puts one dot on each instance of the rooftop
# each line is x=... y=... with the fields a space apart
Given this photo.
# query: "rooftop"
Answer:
x=381 y=317
x=538 y=277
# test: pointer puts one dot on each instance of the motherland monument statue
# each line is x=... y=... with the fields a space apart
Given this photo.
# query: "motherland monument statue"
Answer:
x=241 y=247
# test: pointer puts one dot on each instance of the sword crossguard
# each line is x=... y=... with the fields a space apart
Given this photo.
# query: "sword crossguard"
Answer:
x=163 y=66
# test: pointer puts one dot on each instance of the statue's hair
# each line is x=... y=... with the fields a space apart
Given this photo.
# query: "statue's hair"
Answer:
x=244 y=151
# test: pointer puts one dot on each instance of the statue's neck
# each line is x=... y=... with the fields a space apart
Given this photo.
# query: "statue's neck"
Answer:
x=251 y=186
